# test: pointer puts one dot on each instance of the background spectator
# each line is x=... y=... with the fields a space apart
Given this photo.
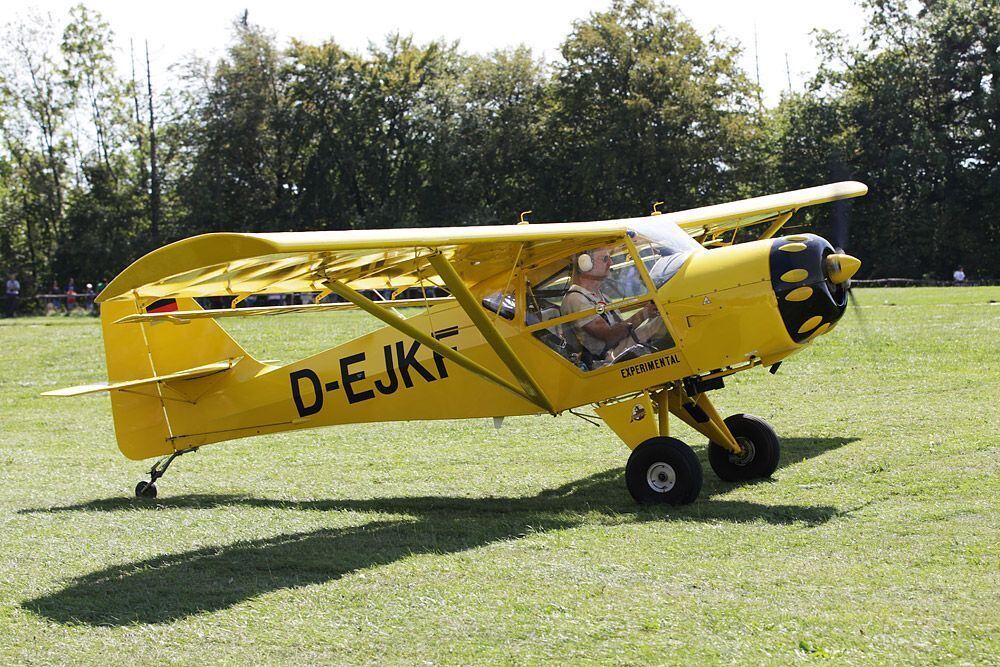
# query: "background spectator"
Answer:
x=13 y=292
x=54 y=303
x=88 y=298
x=959 y=275
x=70 y=296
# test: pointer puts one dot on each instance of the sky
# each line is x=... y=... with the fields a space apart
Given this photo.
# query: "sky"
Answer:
x=180 y=27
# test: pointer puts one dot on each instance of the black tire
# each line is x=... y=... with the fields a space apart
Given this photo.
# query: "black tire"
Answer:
x=763 y=445
x=145 y=490
x=663 y=470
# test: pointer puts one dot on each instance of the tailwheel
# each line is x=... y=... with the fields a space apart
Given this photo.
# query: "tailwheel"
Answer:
x=145 y=490
x=663 y=470
x=761 y=450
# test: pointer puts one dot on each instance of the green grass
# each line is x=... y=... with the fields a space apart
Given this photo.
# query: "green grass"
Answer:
x=453 y=543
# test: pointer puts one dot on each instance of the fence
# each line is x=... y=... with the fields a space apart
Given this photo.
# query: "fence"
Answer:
x=919 y=282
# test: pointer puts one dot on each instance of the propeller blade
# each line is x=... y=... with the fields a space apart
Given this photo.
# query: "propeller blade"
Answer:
x=862 y=322
x=841 y=223
x=841 y=209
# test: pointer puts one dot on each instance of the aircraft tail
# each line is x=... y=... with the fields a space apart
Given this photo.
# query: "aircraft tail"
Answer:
x=159 y=368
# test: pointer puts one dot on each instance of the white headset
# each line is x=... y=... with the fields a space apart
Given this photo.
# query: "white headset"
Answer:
x=585 y=262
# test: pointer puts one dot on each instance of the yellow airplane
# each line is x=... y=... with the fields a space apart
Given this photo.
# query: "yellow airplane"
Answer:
x=640 y=317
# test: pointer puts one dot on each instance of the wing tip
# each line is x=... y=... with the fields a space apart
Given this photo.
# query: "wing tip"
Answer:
x=846 y=189
x=78 y=390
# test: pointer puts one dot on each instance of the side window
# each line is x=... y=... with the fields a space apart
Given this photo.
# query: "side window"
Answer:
x=542 y=303
x=593 y=296
x=622 y=280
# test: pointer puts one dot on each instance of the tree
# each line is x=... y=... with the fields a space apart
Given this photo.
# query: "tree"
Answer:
x=501 y=141
x=920 y=96
x=94 y=170
x=234 y=179
x=378 y=134
x=645 y=108
x=36 y=141
x=88 y=72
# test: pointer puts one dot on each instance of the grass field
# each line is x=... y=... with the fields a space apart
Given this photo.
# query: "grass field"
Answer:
x=454 y=543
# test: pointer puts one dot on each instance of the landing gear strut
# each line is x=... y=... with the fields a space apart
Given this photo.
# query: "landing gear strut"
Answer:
x=146 y=489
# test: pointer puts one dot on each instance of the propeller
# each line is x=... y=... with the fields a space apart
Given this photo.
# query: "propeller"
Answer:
x=841 y=266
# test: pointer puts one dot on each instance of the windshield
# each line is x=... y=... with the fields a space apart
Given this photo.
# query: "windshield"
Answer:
x=664 y=247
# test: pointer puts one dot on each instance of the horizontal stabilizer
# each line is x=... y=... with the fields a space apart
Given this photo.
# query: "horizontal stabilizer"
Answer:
x=189 y=374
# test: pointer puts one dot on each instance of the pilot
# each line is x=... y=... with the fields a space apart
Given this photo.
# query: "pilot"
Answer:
x=605 y=335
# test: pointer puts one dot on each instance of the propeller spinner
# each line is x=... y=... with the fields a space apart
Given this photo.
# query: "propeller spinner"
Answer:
x=840 y=267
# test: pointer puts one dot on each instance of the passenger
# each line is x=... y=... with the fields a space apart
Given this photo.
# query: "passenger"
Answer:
x=667 y=266
x=605 y=335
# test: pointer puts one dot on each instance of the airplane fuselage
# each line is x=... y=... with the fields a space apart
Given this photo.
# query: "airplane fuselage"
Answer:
x=726 y=310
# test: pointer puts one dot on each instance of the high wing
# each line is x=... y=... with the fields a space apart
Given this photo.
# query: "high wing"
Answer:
x=709 y=223
x=394 y=259
x=241 y=265
x=184 y=316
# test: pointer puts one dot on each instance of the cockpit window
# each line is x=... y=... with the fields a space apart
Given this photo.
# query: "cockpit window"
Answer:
x=620 y=280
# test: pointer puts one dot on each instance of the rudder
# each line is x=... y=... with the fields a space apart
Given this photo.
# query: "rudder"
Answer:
x=141 y=350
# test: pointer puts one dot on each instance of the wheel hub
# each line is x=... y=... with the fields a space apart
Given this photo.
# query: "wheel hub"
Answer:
x=746 y=456
x=661 y=477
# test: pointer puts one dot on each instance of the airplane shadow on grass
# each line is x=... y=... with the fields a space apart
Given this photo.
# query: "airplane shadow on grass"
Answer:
x=171 y=587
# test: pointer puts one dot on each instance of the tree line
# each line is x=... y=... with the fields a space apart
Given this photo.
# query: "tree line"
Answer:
x=98 y=166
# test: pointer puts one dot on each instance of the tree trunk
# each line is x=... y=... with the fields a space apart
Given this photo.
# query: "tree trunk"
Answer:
x=154 y=177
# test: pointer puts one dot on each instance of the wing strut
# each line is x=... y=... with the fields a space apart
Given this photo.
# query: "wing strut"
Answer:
x=398 y=323
x=777 y=224
x=475 y=311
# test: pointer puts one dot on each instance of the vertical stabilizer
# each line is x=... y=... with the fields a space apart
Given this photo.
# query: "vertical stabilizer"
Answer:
x=143 y=350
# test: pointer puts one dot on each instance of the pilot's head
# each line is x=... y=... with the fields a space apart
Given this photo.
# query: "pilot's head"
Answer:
x=594 y=264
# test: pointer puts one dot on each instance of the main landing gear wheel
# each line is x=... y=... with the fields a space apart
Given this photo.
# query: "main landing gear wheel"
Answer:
x=663 y=470
x=761 y=450
x=145 y=490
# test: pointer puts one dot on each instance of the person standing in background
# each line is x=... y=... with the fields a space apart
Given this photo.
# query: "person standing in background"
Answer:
x=13 y=293
x=54 y=303
x=101 y=284
x=959 y=276
x=70 y=296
